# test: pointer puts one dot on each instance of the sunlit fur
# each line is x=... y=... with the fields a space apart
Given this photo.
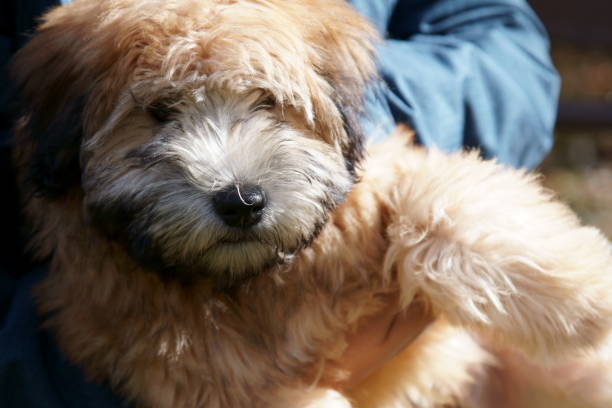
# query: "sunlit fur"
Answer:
x=247 y=102
x=163 y=188
x=136 y=112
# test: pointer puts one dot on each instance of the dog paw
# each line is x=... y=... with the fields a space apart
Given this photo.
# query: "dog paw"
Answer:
x=493 y=250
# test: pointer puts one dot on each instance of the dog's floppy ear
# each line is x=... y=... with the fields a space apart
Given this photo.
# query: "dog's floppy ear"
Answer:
x=51 y=88
x=53 y=167
x=348 y=66
x=349 y=102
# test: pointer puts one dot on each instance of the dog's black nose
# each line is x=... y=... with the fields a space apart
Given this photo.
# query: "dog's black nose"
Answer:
x=240 y=206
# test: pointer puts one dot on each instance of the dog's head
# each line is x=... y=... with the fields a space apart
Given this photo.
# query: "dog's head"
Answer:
x=207 y=136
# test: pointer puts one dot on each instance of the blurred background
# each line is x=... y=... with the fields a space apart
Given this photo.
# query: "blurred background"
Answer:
x=579 y=169
x=580 y=165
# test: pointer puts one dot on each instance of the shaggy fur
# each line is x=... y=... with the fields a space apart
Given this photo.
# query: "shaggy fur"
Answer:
x=137 y=113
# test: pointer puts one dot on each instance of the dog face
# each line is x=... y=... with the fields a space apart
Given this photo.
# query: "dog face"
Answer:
x=209 y=138
x=221 y=182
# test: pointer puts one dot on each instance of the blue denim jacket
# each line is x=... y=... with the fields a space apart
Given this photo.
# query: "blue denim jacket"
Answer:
x=465 y=73
x=462 y=73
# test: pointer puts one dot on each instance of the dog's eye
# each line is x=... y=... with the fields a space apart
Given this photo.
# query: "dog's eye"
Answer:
x=264 y=104
x=162 y=110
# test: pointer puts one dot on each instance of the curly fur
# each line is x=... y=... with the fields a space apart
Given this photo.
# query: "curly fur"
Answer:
x=135 y=113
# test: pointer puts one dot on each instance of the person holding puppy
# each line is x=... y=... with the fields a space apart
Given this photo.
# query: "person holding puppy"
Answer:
x=461 y=73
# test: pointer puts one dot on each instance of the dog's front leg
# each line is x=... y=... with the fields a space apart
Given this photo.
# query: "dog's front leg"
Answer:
x=489 y=248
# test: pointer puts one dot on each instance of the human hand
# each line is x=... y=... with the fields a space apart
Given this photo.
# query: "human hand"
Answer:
x=378 y=339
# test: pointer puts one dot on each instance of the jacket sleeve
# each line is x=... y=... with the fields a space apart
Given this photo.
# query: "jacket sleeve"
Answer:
x=465 y=73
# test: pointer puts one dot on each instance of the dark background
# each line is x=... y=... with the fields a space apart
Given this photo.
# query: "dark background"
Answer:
x=580 y=166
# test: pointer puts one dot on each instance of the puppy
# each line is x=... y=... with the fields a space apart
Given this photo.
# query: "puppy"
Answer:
x=190 y=170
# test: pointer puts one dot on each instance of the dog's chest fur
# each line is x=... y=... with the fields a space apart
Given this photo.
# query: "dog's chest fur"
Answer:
x=183 y=346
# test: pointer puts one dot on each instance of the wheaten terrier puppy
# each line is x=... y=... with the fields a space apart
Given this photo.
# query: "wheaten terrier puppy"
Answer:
x=190 y=169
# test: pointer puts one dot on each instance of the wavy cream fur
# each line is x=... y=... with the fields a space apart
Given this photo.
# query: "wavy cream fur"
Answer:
x=495 y=257
x=510 y=241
